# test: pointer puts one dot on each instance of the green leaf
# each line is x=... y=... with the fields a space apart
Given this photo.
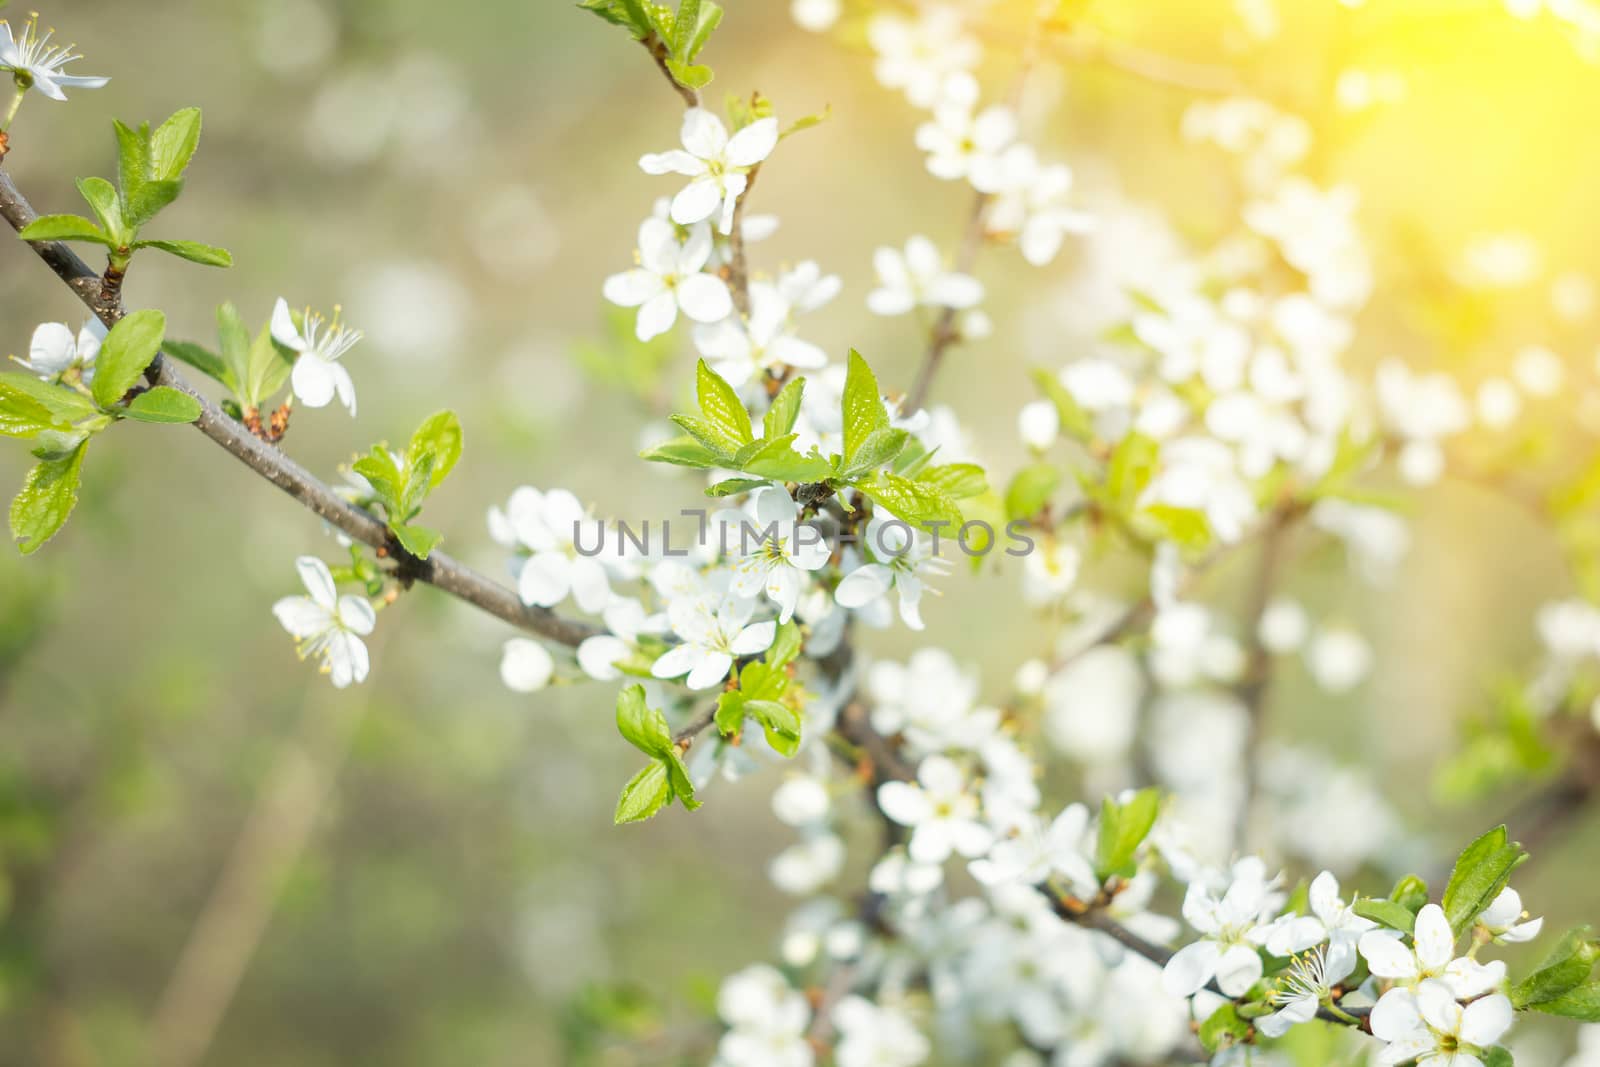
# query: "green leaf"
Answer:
x=730 y=712
x=734 y=486
x=46 y=500
x=128 y=349
x=66 y=405
x=779 y=722
x=133 y=158
x=914 y=502
x=173 y=145
x=721 y=407
x=959 y=481
x=645 y=794
x=1223 y=1029
x=439 y=437
x=1123 y=828
x=107 y=207
x=267 y=367
x=1481 y=871
x=146 y=202
x=785 y=409
x=201 y=359
x=379 y=467
x=1411 y=893
x=785 y=646
x=1030 y=490
x=878 y=450
x=684 y=24
x=1563 y=970
x=625 y=13
x=1389 y=913
x=777 y=460
x=193 y=251
x=682 y=452
x=164 y=404
x=864 y=413
x=1498 y=1057
x=22 y=416
x=1582 y=1003
x=1131 y=468
x=707 y=18
x=691 y=76
x=678 y=779
x=641 y=725
x=63 y=228
x=417 y=540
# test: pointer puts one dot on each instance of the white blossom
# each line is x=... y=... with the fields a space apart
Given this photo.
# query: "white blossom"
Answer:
x=917 y=278
x=326 y=626
x=714 y=631
x=54 y=351
x=318 y=375
x=780 y=554
x=716 y=164
x=1233 y=924
x=1431 y=1027
x=525 y=666
x=36 y=63
x=901 y=561
x=1505 y=920
x=669 y=278
x=940 y=810
x=1430 y=956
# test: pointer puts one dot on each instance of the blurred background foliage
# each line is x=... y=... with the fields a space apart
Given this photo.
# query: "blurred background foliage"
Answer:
x=423 y=871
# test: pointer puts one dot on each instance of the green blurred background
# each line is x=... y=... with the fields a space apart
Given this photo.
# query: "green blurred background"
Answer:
x=423 y=870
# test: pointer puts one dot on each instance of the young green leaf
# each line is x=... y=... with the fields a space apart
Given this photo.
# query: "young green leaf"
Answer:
x=1123 y=828
x=65 y=405
x=47 y=498
x=785 y=409
x=642 y=726
x=1481 y=871
x=1566 y=968
x=721 y=406
x=1389 y=913
x=864 y=413
x=776 y=459
x=193 y=251
x=959 y=481
x=1582 y=1002
x=107 y=207
x=128 y=349
x=63 y=228
x=173 y=145
x=1411 y=892
x=268 y=365
x=438 y=439
x=878 y=450
x=645 y=794
x=163 y=404
x=1030 y=490
x=419 y=541
x=914 y=502
x=681 y=452
x=201 y=359
x=779 y=722
x=22 y=416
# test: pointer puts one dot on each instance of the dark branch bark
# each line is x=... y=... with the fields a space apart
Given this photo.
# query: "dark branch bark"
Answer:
x=438 y=570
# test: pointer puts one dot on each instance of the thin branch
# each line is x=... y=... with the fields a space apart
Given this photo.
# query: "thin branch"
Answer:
x=945 y=331
x=738 y=270
x=438 y=569
x=695 y=727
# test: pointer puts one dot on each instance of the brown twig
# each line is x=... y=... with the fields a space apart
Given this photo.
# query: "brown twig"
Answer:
x=438 y=570
x=738 y=271
x=945 y=332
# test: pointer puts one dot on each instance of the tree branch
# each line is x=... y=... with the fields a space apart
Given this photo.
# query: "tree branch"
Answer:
x=945 y=332
x=658 y=51
x=438 y=569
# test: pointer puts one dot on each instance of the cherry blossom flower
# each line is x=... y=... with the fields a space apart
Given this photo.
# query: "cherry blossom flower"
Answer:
x=35 y=63
x=626 y=620
x=318 y=375
x=1507 y=922
x=918 y=55
x=715 y=631
x=668 y=278
x=942 y=813
x=327 y=626
x=918 y=277
x=525 y=666
x=716 y=164
x=1302 y=990
x=1429 y=1026
x=871 y=1035
x=766 y=1018
x=1432 y=955
x=740 y=350
x=963 y=144
x=781 y=561
x=1040 y=850
x=546 y=525
x=1233 y=925
x=1031 y=202
x=53 y=351
x=900 y=561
